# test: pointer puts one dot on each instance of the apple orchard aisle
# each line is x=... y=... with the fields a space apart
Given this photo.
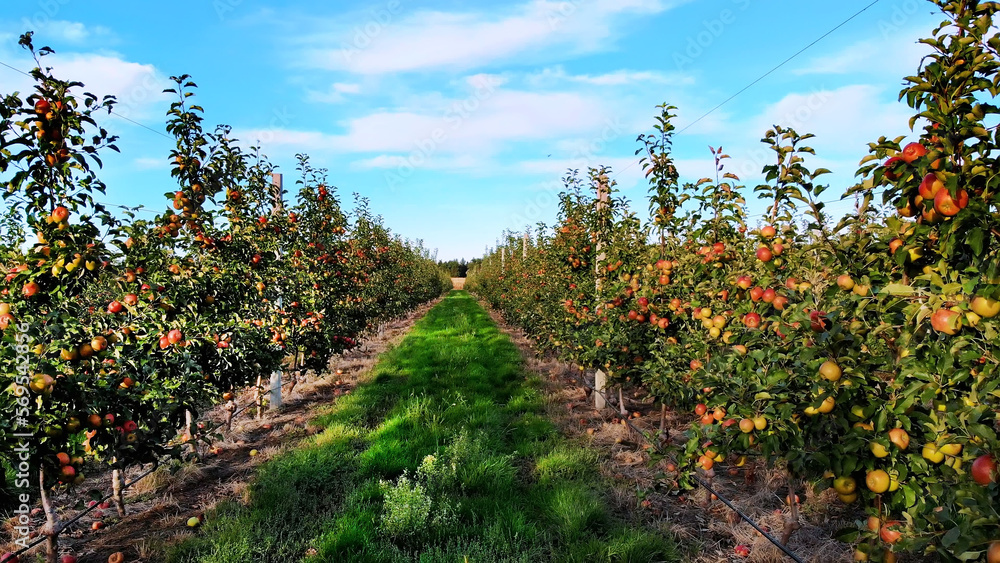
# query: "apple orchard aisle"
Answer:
x=443 y=454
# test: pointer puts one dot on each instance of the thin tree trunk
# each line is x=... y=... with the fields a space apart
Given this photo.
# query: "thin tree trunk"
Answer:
x=792 y=522
x=51 y=529
x=117 y=490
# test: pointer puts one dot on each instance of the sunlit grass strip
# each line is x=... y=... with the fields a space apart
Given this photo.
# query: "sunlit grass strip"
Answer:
x=443 y=455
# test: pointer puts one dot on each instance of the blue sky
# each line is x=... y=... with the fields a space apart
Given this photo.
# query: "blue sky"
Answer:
x=458 y=118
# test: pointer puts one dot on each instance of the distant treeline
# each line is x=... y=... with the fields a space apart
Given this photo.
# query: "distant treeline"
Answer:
x=458 y=268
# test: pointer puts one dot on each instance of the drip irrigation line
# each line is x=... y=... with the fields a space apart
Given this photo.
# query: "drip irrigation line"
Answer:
x=698 y=479
x=746 y=518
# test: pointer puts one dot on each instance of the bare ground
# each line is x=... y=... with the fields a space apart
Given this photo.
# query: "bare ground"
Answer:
x=159 y=506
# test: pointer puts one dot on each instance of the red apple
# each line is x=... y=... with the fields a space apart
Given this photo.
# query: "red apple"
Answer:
x=42 y=107
x=767 y=231
x=780 y=302
x=756 y=294
x=764 y=254
x=115 y=307
x=912 y=152
x=894 y=245
x=769 y=295
x=30 y=289
x=131 y=299
x=818 y=321
x=930 y=186
x=174 y=336
x=60 y=214
x=751 y=320
x=889 y=165
x=984 y=470
x=888 y=535
x=744 y=282
x=948 y=205
x=946 y=321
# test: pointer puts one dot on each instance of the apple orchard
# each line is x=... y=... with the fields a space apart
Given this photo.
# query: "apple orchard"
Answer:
x=133 y=326
x=857 y=353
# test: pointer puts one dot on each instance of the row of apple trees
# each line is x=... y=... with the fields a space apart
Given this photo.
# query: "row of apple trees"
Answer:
x=858 y=353
x=118 y=330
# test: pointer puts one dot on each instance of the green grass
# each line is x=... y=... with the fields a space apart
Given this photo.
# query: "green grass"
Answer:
x=444 y=455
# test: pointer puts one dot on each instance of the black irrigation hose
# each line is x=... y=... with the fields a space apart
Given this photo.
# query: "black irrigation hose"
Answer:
x=84 y=512
x=701 y=482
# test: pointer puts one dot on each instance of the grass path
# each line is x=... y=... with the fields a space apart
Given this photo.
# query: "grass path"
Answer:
x=444 y=454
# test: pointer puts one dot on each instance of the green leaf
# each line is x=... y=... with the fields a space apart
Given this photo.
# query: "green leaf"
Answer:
x=847 y=535
x=951 y=536
x=898 y=289
x=975 y=240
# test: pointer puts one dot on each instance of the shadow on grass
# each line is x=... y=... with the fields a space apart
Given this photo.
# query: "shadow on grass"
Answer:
x=444 y=455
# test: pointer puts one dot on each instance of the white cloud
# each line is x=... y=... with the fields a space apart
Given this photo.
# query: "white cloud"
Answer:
x=444 y=40
x=478 y=123
x=398 y=162
x=622 y=77
x=49 y=31
x=335 y=94
x=898 y=55
x=151 y=163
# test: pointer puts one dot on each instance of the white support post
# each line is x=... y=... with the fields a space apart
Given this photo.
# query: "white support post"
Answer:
x=275 y=391
x=600 y=384
x=524 y=246
x=503 y=259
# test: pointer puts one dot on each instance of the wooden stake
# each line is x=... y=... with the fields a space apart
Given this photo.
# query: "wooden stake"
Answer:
x=259 y=397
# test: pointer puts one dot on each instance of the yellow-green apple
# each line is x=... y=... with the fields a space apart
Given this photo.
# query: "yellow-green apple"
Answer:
x=985 y=307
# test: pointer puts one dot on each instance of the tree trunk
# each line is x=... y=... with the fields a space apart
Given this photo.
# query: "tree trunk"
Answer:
x=117 y=490
x=792 y=522
x=51 y=529
x=230 y=413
